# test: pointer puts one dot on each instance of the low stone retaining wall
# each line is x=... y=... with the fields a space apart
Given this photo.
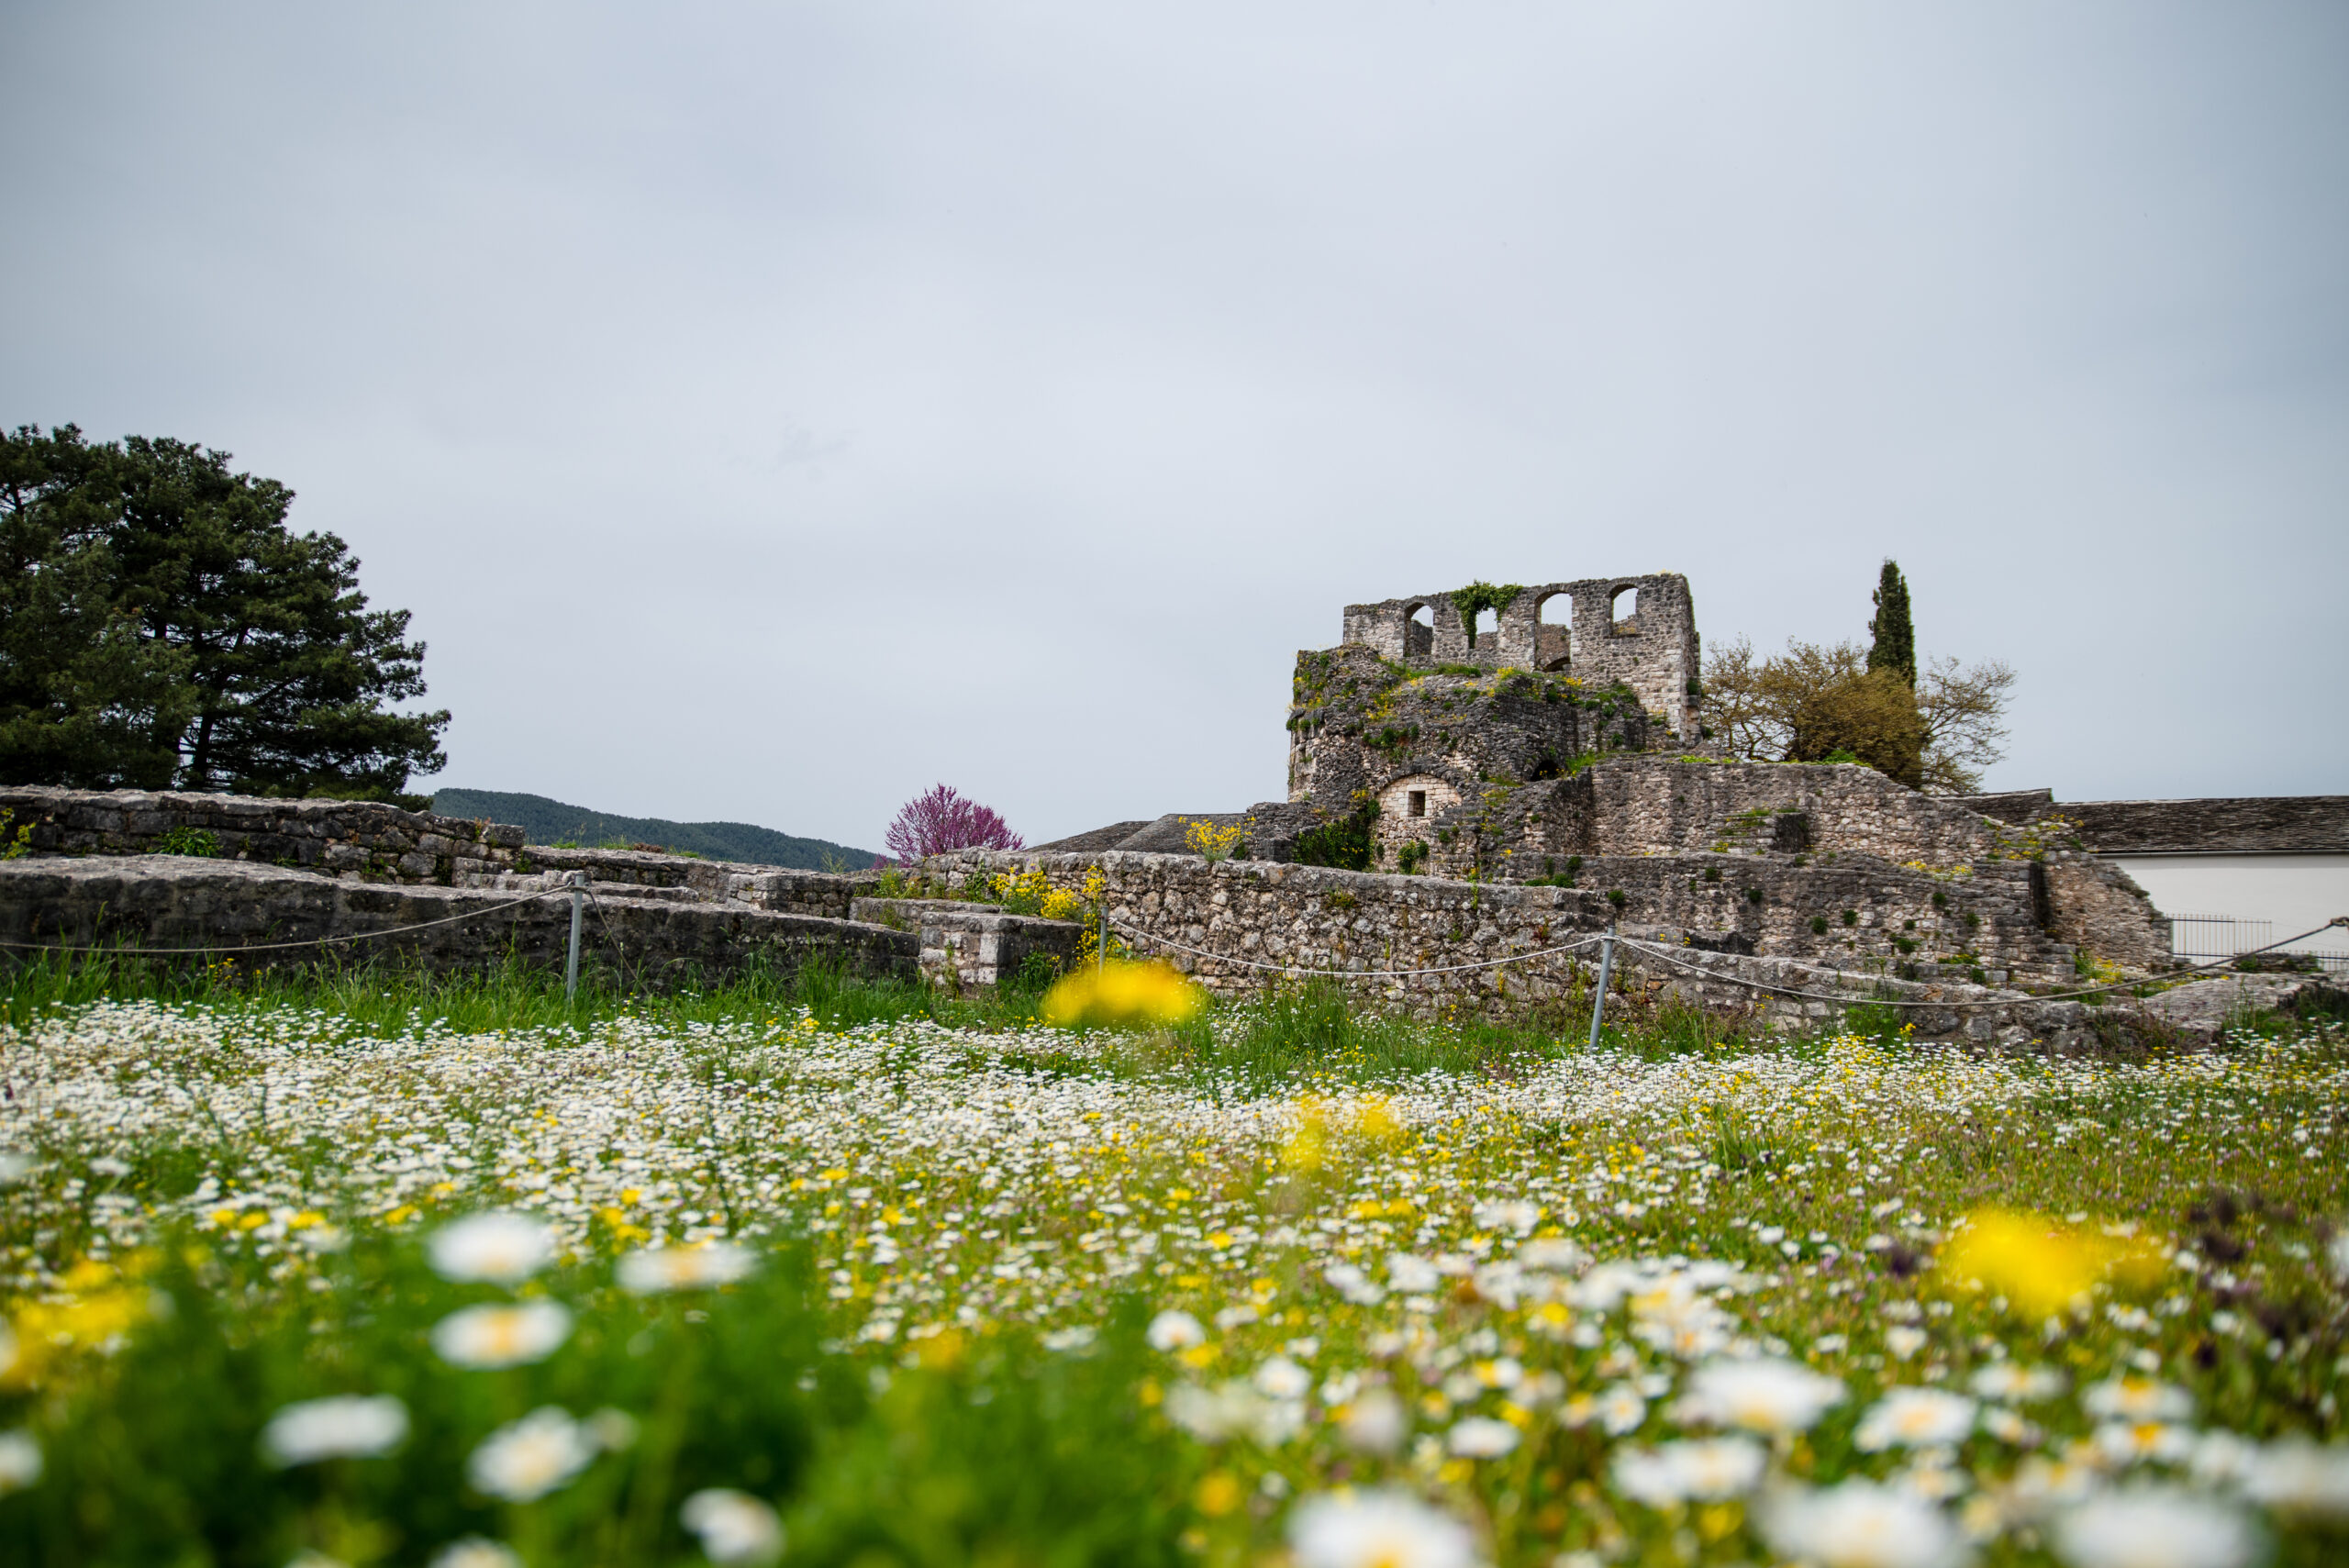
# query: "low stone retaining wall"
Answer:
x=821 y=895
x=1323 y=919
x=1732 y=983
x=974 y=944
x=1277 y=916
x=198 y=904
x=363 y=840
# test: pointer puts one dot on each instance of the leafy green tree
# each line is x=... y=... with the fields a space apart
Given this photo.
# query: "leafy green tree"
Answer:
x=1814 y=702
x=165 y=629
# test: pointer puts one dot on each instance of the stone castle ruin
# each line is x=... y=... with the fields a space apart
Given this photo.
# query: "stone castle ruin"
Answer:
x=1484 y=774
x=1459 y=747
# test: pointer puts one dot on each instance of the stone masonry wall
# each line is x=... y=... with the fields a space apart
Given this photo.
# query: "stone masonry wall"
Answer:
x=176 y=901
x=1646 y=805
x=1323 y=918
x=1319 y=918
x=363 y=840
x=965 y=945
x=824 y=895
x=2098 y=907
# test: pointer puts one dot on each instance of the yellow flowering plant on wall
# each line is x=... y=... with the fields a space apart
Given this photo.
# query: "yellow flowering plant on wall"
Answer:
x=1216 y=843
x=1031 y=893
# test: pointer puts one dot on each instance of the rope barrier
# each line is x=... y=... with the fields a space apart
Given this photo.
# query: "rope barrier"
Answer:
x=611 y=938
x=1670 y=957
x=1667 y=954
x=276 y=947
x=1349 y=973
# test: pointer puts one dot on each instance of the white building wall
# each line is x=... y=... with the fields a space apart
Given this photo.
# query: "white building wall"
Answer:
x=2292 y=893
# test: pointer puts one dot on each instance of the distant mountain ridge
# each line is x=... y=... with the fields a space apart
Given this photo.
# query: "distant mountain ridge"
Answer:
x=545 y=821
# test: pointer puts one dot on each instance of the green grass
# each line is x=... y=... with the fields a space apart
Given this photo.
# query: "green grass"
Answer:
x=936 y=1358
x=388 y=998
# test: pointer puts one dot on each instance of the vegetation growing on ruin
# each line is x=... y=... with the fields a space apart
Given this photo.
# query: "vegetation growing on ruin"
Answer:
x=1348 y=843
x=1477 y=598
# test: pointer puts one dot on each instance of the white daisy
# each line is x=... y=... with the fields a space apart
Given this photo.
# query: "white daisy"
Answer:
x=1175 y=1329
x=1915 y=1417
x=1762 y=1395
x=1711 y=1469
x=1481 y=1436
x=20 y=1462
x=2138 y=1399
x=1377 y=1529
x=1281 y=1378
x=2297 y=1476
x=502 y=1248
x=342 y=1426
x=525 y=1459
x=1375 y=1423
x=1861 y=1524
x=654 y=1270
x=2017 y=1384
x=501 y=1336
x=734 y=1526
x=2155 y=1526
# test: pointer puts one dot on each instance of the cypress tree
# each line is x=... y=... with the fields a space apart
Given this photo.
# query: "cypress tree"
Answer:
x=1895 y=648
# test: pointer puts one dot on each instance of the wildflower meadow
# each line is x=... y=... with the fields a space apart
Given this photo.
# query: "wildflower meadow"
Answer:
x=805 y=1278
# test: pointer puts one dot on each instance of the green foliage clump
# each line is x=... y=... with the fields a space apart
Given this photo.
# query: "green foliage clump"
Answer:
x=187 y=840
x=1480 y=596
x=1345 y=843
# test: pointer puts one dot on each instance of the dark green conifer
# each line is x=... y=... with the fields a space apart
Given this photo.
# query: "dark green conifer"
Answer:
x=1895 y=648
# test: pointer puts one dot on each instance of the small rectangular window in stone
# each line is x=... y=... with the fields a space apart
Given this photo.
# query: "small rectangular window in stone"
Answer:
x=1418 y=803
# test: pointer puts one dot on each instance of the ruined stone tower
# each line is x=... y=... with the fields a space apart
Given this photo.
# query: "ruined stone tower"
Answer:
x=1640 y=632
x=1462 y=737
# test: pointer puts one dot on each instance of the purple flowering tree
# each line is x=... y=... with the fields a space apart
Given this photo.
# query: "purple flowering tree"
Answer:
x=939 y=820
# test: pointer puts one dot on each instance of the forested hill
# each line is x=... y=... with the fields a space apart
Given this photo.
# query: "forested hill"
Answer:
x=545 y=821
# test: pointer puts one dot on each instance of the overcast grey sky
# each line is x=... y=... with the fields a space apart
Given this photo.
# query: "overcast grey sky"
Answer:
x=768 y=411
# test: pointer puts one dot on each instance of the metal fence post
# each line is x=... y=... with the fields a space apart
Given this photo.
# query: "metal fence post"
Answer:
x=1605 y=967
x=571 y=963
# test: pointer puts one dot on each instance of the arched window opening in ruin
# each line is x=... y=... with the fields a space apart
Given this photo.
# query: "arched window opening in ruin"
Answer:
x=1418 y=631
x=1554 y=632
x=1487 y=624
x=1624 y=610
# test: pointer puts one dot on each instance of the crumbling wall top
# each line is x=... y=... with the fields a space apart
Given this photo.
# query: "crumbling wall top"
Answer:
x=1639 y=630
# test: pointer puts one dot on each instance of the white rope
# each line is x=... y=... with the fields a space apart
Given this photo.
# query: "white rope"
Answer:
x=1349 y=973
x=274 y=947
x=1665 y=953
x=1669 y=956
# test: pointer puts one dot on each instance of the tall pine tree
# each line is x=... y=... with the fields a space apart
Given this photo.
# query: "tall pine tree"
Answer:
x=161 y=628
x=1895 y=648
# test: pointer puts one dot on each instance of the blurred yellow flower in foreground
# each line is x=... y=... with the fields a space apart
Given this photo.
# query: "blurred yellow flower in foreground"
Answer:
x=2038 y=1263
x=1308 y=1147
x=1121 y=993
